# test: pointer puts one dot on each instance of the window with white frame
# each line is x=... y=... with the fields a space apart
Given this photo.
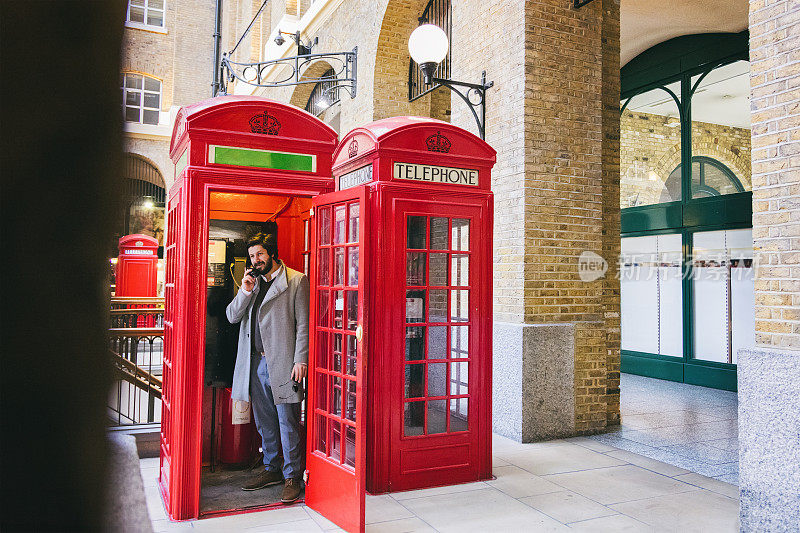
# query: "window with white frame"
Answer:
x=141 y=98
x=147 y=12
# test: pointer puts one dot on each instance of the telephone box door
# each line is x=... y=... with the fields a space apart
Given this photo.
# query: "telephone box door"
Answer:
x=337 y=430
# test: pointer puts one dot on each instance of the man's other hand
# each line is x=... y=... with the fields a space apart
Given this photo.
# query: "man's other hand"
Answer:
x=299 y=372
x=248 y=282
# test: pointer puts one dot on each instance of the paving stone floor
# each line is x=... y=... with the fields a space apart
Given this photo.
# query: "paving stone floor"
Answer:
x=694 y=428
x=587 y=484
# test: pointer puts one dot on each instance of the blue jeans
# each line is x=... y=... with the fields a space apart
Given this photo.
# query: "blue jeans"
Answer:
x=274 y=422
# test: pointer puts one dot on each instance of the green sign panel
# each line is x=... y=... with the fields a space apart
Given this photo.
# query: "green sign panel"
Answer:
x=248 y=157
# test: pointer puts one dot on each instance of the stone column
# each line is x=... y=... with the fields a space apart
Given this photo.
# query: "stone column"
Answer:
x=769 y=374
x=553 y=117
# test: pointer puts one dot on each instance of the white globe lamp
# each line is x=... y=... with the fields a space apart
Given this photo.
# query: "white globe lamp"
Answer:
x=428 y=47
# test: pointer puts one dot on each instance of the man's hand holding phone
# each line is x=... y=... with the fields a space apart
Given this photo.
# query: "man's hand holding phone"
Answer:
x=248 y=282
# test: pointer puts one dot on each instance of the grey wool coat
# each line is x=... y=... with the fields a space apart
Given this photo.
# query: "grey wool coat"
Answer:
x=283 y=319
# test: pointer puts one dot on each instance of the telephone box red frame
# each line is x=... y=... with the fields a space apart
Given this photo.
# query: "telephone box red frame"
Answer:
x=366 y=158
x=218 y=145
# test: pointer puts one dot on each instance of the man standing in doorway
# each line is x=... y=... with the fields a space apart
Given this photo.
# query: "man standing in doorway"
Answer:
x=272 y=358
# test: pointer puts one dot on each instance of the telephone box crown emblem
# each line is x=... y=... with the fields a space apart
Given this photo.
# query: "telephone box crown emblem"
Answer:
x=265 y=123
x=438 y=143
x=352 y=149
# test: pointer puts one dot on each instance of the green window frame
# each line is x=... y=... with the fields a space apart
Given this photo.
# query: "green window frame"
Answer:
x=680 y=60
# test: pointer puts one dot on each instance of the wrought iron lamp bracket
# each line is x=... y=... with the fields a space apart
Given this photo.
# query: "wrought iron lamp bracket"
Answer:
x=577 y=4
x=290 y=70
x=474 y=97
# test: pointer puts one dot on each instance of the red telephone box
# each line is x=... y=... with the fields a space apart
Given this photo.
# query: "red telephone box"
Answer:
x=402 y=265
x=137 y=266
x=399 y=255
x=239 y=161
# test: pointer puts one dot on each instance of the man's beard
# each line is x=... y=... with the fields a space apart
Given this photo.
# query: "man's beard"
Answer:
x=263 y=268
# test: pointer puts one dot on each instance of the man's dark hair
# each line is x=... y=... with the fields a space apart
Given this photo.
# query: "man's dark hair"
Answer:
x=268 y=240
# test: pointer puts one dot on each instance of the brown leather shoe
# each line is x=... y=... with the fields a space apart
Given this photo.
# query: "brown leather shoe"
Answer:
x=292 y=490
x=264 y=479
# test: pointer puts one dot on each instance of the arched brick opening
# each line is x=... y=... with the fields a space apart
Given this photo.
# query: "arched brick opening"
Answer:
x=390 y=95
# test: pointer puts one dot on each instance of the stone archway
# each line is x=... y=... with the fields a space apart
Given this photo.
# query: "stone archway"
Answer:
x=390 y=94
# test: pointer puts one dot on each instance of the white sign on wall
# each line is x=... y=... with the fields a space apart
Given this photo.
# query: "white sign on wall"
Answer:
x=435 y=174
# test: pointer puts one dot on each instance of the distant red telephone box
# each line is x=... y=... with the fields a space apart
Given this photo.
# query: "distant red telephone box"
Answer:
x=397 y=246
x=137 y=266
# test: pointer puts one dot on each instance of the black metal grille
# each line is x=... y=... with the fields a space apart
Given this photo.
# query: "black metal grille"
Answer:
x=324 y=88
x=141 y=183
x=436 y=12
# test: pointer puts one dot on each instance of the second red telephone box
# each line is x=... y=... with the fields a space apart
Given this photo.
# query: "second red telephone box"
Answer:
x=403 y=264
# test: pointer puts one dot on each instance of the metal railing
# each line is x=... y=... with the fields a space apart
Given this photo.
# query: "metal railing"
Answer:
x=136 y=346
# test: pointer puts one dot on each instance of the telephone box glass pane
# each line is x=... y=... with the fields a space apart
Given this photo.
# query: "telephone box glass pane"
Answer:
x=460 y=234
x=350 y=400
x=350 y=446
x=460 y=269
x=352 y=355
x=437 y=311
x=336 y=439
x=415 y=268
x=415 y=350
x=413 y=418
x=437 y=270
x=322 y=432
x=352 y=231
x=415 y=380
x=416 y=232
x=322 y=391
x=324 y=225
x=339 y=309
x=415 y=306
x=338 y=266
x=439 y=233
x=324 y=309
x=336 y=396
x=339 y=224
x=352 y=267
x=459 y=378
x=322 y=349
x=459 y=342
x=437 y=379
x=437 y=416
x=324 y=267
x=458 y=414
x=459 y=306
x=437 y=342
x=352 y=310
x=337 y=353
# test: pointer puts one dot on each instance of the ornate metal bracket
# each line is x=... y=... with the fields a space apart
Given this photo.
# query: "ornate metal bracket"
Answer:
x=474 y=92
x=577 y=4
x=288 y=71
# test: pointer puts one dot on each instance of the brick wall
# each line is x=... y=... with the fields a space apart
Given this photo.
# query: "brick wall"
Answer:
x=775 y=119
x=650 y=149
x=609 y=369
